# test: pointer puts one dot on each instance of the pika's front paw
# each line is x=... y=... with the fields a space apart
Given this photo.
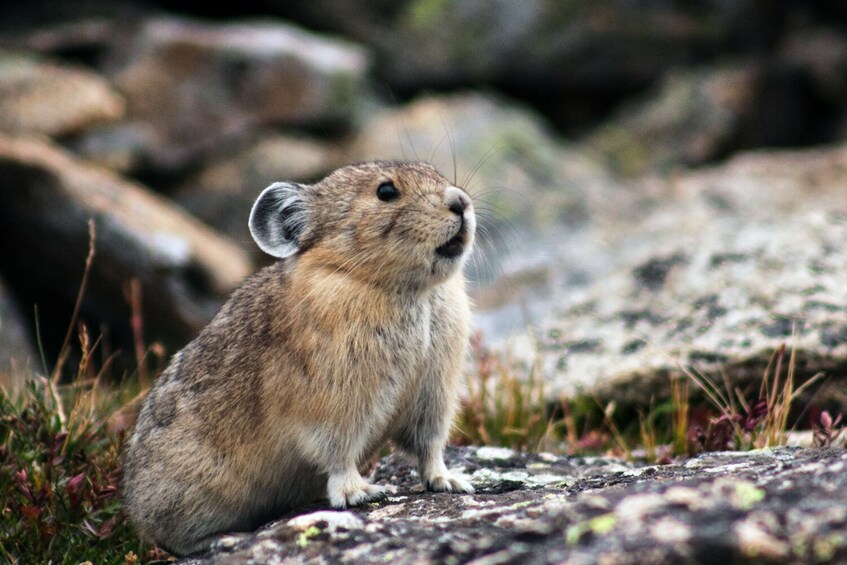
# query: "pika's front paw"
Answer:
x=449 y=483
x=353 y=491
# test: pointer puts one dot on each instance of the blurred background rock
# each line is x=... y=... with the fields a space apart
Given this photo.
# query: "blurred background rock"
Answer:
x=660 y=183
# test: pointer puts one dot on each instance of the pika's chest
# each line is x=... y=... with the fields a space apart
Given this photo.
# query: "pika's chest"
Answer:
x=397 y=349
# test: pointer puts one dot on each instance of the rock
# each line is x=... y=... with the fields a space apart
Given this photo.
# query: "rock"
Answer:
x=16 y=352
x=822 y=52
x=42 y=97
x=82 y=39
x=779 y=505
x=731 y=263
x=223 y=193
x=722 y=302
x=695 y=117
x=199 y=84
x=46 y=199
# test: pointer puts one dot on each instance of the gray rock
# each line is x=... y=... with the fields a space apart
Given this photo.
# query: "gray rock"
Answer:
x=42 y=97
x=122 y=147
x=184 y=268
x=781 y=505
x=222 y=193
x=16 y=351
x=199 y=84
x=717 y=275
x=722 y=302
x=695 y=117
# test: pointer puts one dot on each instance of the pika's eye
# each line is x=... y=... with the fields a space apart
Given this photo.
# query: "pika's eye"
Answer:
x=387 y=191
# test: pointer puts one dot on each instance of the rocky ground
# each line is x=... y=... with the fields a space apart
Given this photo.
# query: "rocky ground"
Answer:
x=785 y=505
x=660 y=189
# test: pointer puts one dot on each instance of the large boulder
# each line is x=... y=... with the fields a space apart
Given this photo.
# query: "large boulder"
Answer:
x=38 y=96
x=773 y=506
x=731 y=263
x=184 y=269
x=723 y=300
x=196 y=85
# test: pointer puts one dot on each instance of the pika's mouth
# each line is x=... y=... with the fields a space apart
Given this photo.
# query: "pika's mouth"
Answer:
x=455 y=245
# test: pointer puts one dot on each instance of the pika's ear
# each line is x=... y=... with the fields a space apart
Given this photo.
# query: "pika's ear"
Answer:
x=278 y=219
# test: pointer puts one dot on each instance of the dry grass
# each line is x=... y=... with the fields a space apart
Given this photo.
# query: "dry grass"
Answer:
x=506 y=406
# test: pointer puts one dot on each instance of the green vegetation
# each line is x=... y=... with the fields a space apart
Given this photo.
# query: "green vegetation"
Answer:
x=60 y=468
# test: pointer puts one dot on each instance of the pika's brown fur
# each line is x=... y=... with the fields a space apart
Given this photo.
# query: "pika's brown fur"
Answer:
x=357 y=336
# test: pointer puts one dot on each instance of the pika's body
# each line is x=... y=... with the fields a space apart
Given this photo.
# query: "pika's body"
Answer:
x=357 y=336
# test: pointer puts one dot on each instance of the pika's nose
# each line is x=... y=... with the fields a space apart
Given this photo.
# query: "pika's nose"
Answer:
x=457 y=201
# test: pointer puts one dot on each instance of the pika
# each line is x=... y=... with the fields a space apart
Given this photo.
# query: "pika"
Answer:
x=355 y=337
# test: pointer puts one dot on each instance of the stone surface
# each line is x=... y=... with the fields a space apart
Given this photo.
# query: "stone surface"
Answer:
x=16 y=351
x=46 y=200
x=725 y=303
x=713 y=275
x=694 y=117
x=223 y=193
x=196 y=85
x=781 y=505
x=42 y=97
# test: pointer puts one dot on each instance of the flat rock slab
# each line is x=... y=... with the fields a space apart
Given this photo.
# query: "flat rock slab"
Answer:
x=723 y=303
x=780 y=505
x=725 y=266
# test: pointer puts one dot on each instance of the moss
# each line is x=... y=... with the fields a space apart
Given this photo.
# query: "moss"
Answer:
x=746 y=496
x=599 y=525
x=306 y=535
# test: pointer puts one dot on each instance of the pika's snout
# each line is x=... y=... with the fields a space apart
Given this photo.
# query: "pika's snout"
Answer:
x=461 y=235
x=457 y=200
